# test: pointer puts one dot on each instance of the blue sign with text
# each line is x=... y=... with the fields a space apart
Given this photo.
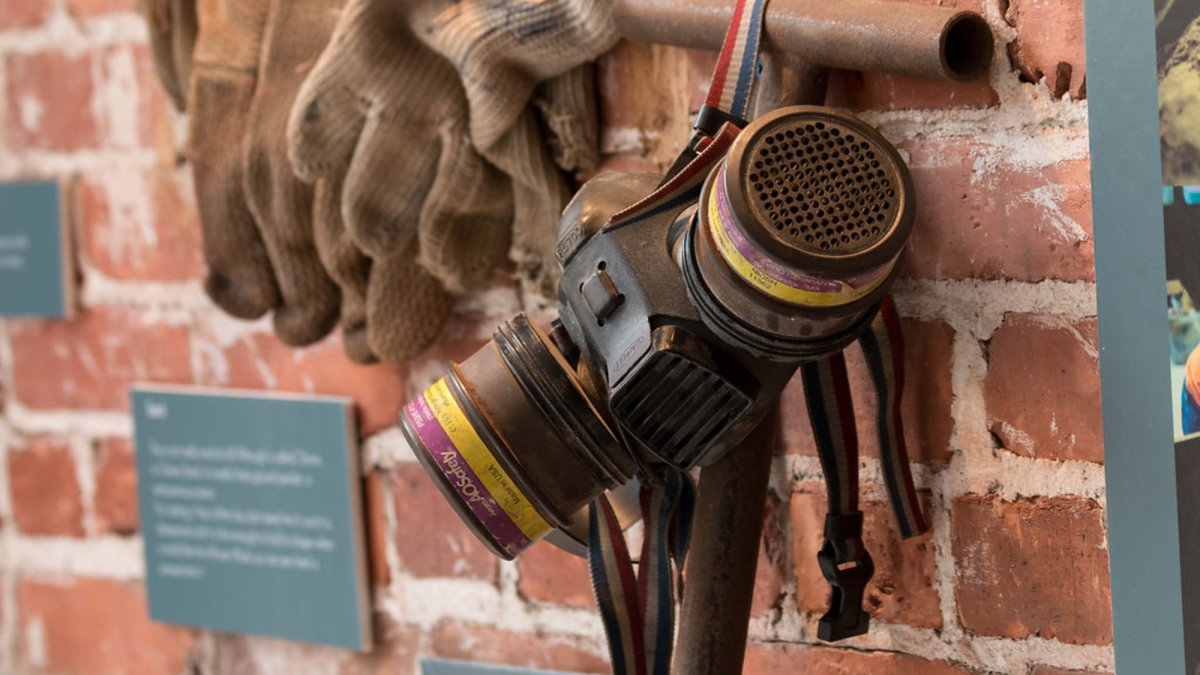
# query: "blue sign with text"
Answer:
x=252 y=514
x=33 y=274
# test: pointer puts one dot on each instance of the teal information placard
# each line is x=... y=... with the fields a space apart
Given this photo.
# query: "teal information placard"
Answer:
x=444 y=667
x=251 y=510
x=33 y=245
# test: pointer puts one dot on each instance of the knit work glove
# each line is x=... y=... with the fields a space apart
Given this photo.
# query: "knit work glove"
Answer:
x=407 y=304
x=503 y=51
x=387 y=108
x=387 y=113
x=251 y=56
x=171 y=25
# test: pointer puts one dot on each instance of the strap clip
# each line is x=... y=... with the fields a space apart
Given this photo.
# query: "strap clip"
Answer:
x=710 y=120
x=848 y=568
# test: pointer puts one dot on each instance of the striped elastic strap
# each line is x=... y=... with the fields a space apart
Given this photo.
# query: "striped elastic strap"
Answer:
x=883 y=347
x=831 y=413
x=721 y=119
x=681 y=188
x=737 y=67
x=638 y=610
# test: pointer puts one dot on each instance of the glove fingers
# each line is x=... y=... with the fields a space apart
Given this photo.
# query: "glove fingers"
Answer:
x=281 y=204
x=346 y=265
x=568 y=107
x=392 y=173
x=240 y=278
x=504 y=49
x=466 y=220
x=406 y=307
x=328 y=115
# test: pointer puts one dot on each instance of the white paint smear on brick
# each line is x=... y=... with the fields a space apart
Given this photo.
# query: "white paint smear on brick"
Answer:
x=115 y=98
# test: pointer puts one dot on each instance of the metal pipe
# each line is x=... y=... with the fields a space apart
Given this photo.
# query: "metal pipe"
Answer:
x=730 y=508
x=895 y=37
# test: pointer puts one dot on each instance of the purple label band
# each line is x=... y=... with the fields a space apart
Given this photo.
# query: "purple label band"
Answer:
x=767 y=265
x=462 y=478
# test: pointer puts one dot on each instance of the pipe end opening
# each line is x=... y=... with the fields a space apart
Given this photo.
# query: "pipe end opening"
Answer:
x=967 y=47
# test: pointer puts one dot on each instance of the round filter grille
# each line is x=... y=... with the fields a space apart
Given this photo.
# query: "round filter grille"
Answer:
x=823 y=184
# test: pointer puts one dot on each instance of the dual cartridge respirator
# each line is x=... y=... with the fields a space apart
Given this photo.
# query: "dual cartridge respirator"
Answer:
x=681 y=320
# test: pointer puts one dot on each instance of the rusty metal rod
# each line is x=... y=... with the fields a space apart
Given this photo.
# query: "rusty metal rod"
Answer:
x=730 y=507
x=895 y=37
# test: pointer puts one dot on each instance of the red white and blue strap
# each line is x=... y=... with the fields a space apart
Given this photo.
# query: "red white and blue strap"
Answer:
x=720 y=120
x=615 y=586
x=883 y=347
x=831 y=413
x=638 y=611
x=737 y=68
x=681 y=188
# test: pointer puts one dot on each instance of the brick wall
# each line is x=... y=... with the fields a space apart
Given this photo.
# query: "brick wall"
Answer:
x=1003 y=411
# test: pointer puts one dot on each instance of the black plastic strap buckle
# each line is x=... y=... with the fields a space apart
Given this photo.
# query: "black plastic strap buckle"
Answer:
x=848 y=568
x=710 y=120
x=708 y=124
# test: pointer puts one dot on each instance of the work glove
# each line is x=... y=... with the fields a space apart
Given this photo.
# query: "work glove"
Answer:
x=386 y=113
x=407 y=304
x=250 y=58
x=171 y=25
x=421 y=197
x=503 y=51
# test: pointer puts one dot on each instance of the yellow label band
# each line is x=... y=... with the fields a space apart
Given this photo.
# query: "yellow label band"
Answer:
x=803 y=290
x=489 y=471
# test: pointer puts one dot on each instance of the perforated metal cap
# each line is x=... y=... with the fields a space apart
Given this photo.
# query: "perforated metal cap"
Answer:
x=821 y=188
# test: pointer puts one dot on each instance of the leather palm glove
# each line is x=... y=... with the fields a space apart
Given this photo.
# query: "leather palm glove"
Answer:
x=250 y=58
x=428 y=206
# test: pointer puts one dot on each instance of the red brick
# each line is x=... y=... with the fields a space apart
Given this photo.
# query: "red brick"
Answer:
x=91 y=361
x=787 y=659
x=549 y=574
x=903 y=589
x=95 y=627
x=523 y=650
x=1043 y=389
x=1049 y=43
x=377 y=530
x=23 y=13
x=397 y=648
x=632 y=97
x=141 y=226
x=772 y=561
x=969 y=195
x=116 y=487
x=1036 y=567
x=50 y=101
x=106 y=97
x=395 y=652
x=232 y=357
x=882 y=91
x=44 y=489
x=90 y=8
x=1048 y=670
x=430 y=538
x=926 y=401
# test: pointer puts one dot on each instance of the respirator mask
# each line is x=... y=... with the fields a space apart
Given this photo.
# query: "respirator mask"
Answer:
x=681 y=320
